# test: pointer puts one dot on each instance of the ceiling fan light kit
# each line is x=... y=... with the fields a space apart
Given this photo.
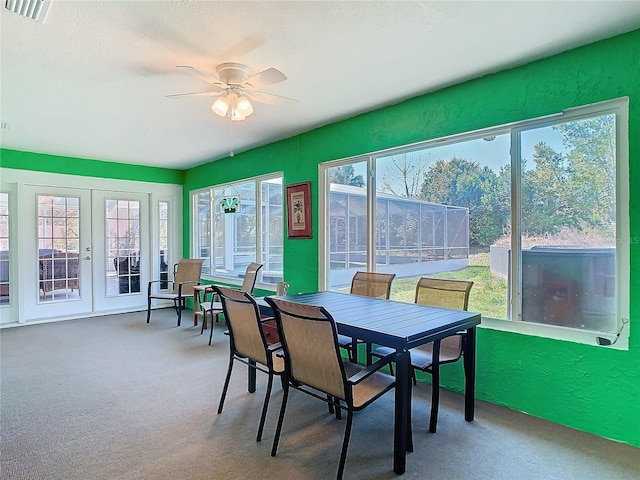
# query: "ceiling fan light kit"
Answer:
x=234 y=105
x=235 y=88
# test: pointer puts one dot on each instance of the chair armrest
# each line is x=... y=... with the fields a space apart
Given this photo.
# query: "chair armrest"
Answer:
x=371 y=369
x=267 y=319
x=190 y=282
x=151 y=282
x=274 y=347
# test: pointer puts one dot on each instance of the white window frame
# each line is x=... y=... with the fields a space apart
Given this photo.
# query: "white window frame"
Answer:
x=195 y=238
x=619 y=107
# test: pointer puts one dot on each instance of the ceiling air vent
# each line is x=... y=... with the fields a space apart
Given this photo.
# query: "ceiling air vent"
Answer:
x=33 y=9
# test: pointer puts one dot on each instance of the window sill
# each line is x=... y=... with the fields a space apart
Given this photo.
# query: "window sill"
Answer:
x=553 y=332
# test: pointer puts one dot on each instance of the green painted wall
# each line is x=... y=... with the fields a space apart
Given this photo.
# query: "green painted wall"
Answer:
x=88 y=168
x=589 y=388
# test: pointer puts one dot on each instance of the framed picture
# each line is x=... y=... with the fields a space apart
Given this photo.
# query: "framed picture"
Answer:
x=299 y=210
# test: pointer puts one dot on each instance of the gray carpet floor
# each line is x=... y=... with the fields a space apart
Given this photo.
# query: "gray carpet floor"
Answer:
x=115 y=398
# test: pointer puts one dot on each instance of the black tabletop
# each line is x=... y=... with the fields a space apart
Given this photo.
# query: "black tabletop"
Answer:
x=399 y=325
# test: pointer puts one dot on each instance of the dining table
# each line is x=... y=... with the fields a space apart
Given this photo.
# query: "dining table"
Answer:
x=401 y=326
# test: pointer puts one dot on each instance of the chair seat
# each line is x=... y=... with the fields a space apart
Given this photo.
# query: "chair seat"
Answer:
x=166 y=296
x=206 y=306
x=370 y=388
x=422 y=357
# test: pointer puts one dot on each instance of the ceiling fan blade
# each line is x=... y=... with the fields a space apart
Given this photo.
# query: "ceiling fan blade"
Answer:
x=263 y=97
x=205 y=76
x=264 y=78
x=196 y=94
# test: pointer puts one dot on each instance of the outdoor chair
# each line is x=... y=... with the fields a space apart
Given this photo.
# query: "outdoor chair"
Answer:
x=435 y=292
x=214 y=308
x=368 y=284
x=313 y=365
x=186 y=274
x=247 y=343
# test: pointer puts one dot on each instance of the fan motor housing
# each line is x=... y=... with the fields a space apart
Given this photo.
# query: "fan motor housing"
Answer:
x=233 y=73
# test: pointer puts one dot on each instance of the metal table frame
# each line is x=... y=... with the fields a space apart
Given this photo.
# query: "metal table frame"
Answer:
x=401 y=326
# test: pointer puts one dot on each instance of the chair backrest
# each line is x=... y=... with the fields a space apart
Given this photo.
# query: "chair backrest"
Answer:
x=188 y=270
x=443 y=293
x=453 y=294
x=250 y=277
x=309 y=339
x=369 y=284
x=243 y=320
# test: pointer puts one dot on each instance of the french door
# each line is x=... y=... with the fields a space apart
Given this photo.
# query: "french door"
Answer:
x=88 y=251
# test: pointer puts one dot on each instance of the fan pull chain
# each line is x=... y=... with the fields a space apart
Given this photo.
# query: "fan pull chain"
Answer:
x=231 y=154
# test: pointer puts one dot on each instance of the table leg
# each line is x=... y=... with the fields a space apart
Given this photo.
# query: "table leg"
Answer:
x=251 y=374
x=196 y=306
x=469 y=373
x=402 y=421
x=435 y=386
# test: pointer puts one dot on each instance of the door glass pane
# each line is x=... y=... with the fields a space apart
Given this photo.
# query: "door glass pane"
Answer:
x=4 y=249
x=444 y=212
x=123 y=246
x=568 y=224
x=165 y=259
x=347 y=223
x=58 y=238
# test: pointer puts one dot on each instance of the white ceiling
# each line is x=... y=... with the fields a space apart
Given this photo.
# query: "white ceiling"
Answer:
x=91 y=81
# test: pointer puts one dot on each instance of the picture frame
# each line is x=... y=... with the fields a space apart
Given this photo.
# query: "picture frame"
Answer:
x=299 y=210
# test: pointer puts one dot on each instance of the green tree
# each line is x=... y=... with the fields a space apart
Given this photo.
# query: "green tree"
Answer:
x=464 y=183
x=591 y=159
x=345 y=175
x=546 y=205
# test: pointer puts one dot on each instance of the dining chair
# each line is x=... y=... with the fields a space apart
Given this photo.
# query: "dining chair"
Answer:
x=368 y=284
x=186 y=274
x=313 y=365
x=441 y=293
x=213 y=308
x=247 y=343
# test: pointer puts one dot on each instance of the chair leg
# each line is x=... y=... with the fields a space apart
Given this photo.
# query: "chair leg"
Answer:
x=283 y=407
x=204 y=321
x=177 y=305
x=330 y=403
x=435 y=387
x=338 y=409
x=148 y=309
x=265 y=406
x=345 y=444
x=226 y=385
x=211 y=330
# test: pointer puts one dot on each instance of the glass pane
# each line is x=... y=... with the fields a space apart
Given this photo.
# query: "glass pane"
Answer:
x=444 y=212
x=347 y=223
x=123 y=247
x=58 y=248
x=272 y=231
x=4 y=250
x=569 y=224
x=163 y=215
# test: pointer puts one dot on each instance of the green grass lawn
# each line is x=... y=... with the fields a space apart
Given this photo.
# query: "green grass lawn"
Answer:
x=488 y=295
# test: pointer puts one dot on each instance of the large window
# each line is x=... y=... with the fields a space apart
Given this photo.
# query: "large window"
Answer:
x=534 y=213
x=239 y=223
x=4 y=249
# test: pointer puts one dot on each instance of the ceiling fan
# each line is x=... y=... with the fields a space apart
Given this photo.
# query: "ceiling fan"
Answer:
x=235 y=88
